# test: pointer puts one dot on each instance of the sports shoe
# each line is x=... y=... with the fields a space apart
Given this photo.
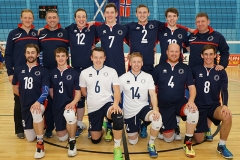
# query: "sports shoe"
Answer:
x=108 y=136
x=178 y=136
x=48 y=134
x=78 y=131
x=39 y=150
x=188 y=149
x=89 y=134
x=117 y=153
x=160 y=135
x=21 y=135
x=143 y=132
x=104 y=125
x=208 y=135
x=152 y=150
x=72 y=150
x=222 y=149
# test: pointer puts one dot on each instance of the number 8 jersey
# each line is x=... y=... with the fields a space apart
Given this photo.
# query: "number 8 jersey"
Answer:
x=99 y=86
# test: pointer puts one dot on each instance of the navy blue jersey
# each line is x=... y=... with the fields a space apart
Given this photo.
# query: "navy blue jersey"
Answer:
x=167 y=36
x=81 y=42
x=64 y=85
x=198 y=40
x=209 y=83
x=15 y=48
x=49 y=41
x=112 y=42
x=143 y=39
x=30 y=81
x=171 y=81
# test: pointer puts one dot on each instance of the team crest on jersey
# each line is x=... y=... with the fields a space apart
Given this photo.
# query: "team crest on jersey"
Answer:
x=90 y=75
x=210 y=38
x=75 y=31
x=164 y=71
x=87 y=30
x=104 y=31
x=165 y=34
x=151 y=26
x=34 y=34
x=180 y=36
x=23 y=71
x=216 y=77
x=200 y=75
x=37 y=73
x=143 y=81
x=69 y=77
x=60 y=34
x=180 y=71
x=192 y=39
x=55 y=76
x=105 y=74
x=138 y=28
x=120 y=32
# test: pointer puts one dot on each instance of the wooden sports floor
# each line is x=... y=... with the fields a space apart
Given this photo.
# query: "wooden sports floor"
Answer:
x=20 y=149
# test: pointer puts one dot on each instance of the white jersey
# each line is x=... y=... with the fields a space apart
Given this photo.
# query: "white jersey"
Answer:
x=135 y=92
x=99 y=86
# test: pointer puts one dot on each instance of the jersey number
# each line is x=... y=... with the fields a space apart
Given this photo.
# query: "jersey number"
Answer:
x=135 y=93
x=61 y=85
x=144 y=40
x=170 y=82
x=81 y=37
x=112 y=39
x=97 y=87
x=206 y=87
x=28 y=82
x=170 y=41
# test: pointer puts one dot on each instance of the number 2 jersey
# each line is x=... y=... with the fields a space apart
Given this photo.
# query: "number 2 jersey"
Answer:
x=99 y=86
x=30 y=81
x=209 y=83
x=135 y=92
x=171 y=82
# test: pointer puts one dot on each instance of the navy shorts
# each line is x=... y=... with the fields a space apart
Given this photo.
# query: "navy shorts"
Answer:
x=27 y=120
x=169 y=112
x=59 y=119
x=96 y=118
x=132 y=124
x=81 y=103
x=204 y=113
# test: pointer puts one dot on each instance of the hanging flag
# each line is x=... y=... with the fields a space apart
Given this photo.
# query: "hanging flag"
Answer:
x=98 y=9
x=125 y=8
x=116 y=2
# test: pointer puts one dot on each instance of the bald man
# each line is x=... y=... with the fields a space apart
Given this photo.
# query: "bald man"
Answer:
x=171 y=78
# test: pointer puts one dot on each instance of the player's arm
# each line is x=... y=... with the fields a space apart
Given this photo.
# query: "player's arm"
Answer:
x=224 y=53
x=15 y=89
x=15 y=83
x=154 y=102
x=224 y=92
x=9 y=57
x=37 y=105
x=76 y=99
x=84 y=91
x=51 y=92
x=117 y=97
x=192 y=94
x=83 y=84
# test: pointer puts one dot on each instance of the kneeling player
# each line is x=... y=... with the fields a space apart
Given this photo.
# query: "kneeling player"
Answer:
x=171 y=77
x=210 y=83
x=27 y=81
x=65 y=91
x=97 y=83
x=136 y=85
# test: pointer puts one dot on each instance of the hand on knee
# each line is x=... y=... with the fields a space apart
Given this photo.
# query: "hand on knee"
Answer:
x=156 y=124
x=192 y=117
x=37 y=117
x=70 y=116
x=117 y=121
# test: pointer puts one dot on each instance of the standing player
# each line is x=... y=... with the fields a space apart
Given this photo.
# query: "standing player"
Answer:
x=14 y=57
x=203 y=35
x=81 y=40
x=209 y=84
x=65 y=91
x=2 y=51
x=50 y=38
x=136 y=85
x=97 y=84
x=31 y=82
x=171 y=78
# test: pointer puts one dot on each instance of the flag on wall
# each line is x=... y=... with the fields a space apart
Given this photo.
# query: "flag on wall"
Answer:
x=125 y=8
x=98 y=10
x=116 y=2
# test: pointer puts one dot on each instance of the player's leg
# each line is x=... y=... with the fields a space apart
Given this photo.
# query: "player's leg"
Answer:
x=18 y=117
x=208 y=134
x=38 y=125
x=226 y=125
x=178 y=136
x=71 y=129
x=48 y=117
x=80 y=113
x=117 y=119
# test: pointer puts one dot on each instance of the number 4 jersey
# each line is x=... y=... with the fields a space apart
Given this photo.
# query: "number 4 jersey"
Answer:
x=30 y=81
x=171 y=82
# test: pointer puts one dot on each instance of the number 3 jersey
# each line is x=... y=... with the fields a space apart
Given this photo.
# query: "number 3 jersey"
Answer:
x=30 y=81
x=64 y=84
x=171 y=82
x=209 y=83
x=99 y=86
x=135 y=92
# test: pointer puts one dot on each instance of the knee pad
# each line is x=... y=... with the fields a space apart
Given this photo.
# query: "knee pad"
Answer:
x=168 y=140
x=30 y=134
x=64 y=138
x=192 y=118
x=156 y=125
x=117 y=121
x=70 y=116
x=37 y=117
x=96 y=141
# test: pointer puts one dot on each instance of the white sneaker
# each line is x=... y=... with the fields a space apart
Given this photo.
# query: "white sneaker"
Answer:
x=178 y=137
x=160 y=135
x=72 y=150
x=39 y=150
